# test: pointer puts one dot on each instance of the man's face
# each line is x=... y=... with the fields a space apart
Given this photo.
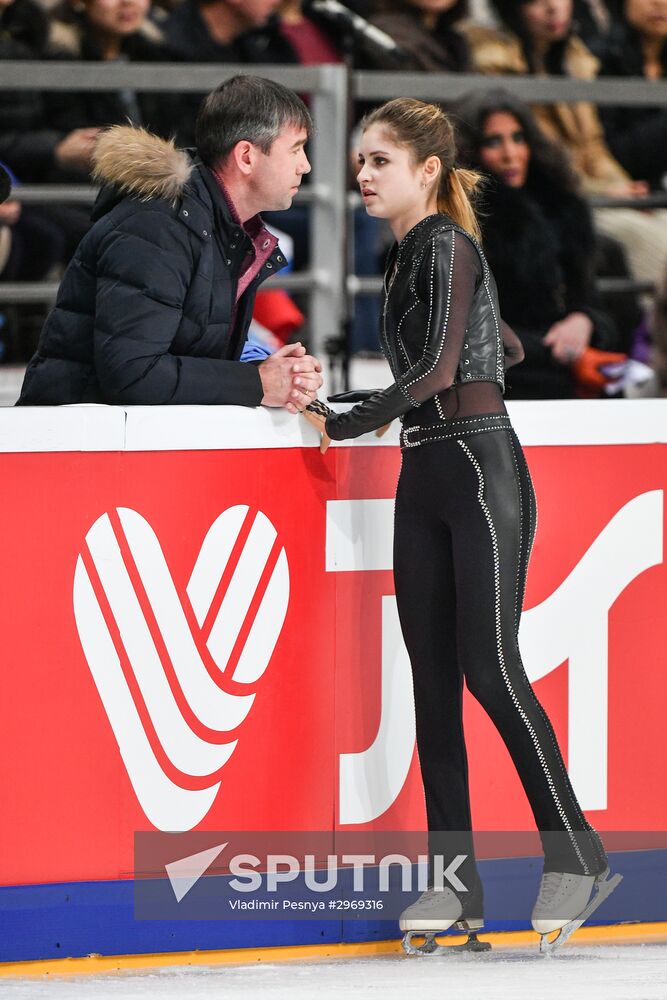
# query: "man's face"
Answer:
x=276 y=176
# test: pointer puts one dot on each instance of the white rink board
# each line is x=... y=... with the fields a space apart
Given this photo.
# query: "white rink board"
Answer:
x=85 y=427
x=90 y=427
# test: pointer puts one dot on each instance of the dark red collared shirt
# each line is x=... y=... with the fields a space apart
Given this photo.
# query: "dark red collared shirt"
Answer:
x=263 y=242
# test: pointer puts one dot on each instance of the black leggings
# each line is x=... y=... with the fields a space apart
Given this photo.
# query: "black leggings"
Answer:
x=464 y=526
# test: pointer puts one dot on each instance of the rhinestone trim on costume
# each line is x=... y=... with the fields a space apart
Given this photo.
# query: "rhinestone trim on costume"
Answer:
x=450 y=277
x=501 y=657
x=453 y=429
x=486 y=278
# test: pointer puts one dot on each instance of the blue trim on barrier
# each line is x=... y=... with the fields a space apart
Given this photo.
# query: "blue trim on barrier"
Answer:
x=80 y=918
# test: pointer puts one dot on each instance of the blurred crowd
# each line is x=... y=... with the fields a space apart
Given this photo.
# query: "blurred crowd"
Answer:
x=548 y=248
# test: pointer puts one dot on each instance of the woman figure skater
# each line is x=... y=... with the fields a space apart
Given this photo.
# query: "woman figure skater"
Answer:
x=465 y=518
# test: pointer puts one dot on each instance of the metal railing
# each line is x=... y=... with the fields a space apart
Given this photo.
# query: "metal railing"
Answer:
x=327 y=280
x=324 y=280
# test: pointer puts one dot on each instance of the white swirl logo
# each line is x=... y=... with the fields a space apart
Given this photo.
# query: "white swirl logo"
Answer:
x=143 y=641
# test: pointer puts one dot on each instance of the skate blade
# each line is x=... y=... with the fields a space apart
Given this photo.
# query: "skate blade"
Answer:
x=603 y=889
x=431 y=946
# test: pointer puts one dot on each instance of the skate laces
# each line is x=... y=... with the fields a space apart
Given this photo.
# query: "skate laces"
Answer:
x=549 y=889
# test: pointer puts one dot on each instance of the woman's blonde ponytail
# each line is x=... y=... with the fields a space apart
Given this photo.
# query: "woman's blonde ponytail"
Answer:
x=454 y=198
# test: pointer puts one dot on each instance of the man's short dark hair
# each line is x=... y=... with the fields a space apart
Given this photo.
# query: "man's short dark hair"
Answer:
x=250 y=108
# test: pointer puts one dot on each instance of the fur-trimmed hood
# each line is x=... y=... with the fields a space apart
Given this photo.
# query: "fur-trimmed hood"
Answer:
x=136 y=162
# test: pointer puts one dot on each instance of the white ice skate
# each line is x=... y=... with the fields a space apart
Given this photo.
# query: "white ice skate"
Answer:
x=565 y=901
x=434 y=913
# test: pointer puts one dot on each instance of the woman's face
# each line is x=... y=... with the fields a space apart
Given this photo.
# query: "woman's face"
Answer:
x=504 y=150
x=117 y=17
x=546 y=21
x=649 y=17
x=391 y=185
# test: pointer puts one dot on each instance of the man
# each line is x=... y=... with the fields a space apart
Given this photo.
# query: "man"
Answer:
x=156 y=304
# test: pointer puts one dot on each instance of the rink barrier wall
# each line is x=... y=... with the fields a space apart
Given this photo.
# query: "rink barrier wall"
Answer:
x=70 y=810
x=79 y=919
x=96 y=965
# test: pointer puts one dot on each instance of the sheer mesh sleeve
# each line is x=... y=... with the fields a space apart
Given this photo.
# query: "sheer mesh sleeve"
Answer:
x=447 y=280
x=448 y=276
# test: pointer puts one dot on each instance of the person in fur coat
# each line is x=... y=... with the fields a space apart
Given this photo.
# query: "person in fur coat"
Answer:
x=539 y=241
x=156 y=304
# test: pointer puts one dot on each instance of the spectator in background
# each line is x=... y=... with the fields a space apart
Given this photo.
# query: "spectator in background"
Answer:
x=539 y=241
x=308 y=40
x=539 y=37
x=33 y=148
x=5 y=235
x=593 y=21
x=660 y=337
x=36 y=246
x=225 y=31
x=31 y=245
x=637 y=47
x=242 y=31
x=428 y=31
x=109 y=31
x=313 y=40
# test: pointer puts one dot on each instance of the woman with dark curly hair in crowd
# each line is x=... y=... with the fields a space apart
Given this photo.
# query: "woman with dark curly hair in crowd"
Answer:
x=539 y=37
x=539 y=241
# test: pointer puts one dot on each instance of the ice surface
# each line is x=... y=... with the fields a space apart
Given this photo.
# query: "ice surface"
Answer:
x=624 y=972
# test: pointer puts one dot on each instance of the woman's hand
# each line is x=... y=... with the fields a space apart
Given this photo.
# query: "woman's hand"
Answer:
x=76 y=150
x=569 y=338
x=319 y=423
x=628 y=189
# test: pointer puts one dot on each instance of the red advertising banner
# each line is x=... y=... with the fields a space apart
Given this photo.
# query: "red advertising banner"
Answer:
x=208 y=640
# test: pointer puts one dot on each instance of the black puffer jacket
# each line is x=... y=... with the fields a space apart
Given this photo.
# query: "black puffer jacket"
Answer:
x=144 y=311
